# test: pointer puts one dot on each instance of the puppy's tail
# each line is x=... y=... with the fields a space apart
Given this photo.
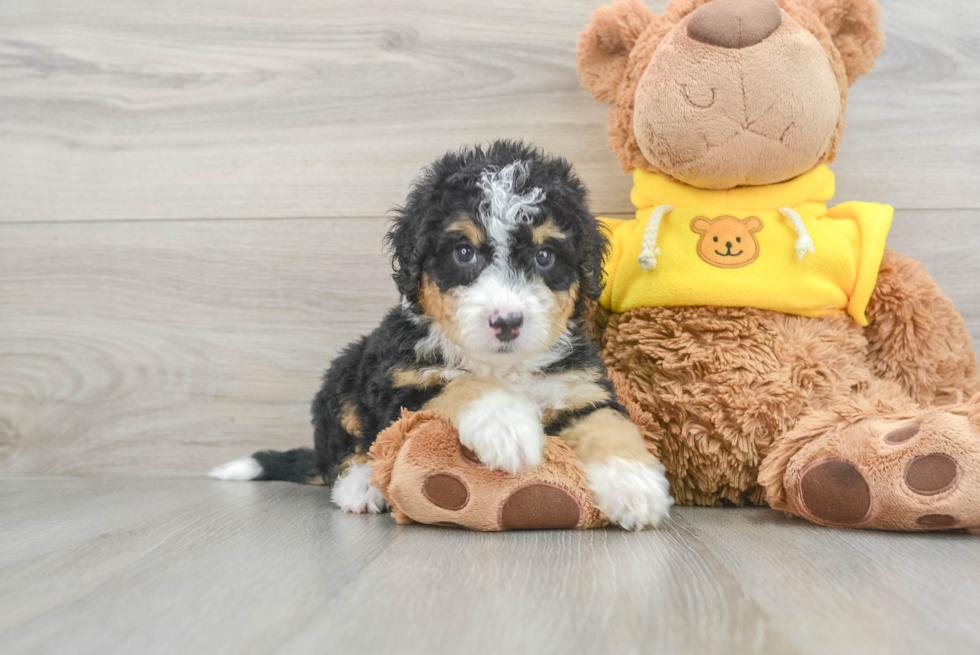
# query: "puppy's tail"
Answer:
x=296 y=465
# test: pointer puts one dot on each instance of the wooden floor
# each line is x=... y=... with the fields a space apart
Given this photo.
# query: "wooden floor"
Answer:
x=192 y=566
x=192 y=205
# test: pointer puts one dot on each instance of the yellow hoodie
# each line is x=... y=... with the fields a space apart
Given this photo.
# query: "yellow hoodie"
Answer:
x=772 y=247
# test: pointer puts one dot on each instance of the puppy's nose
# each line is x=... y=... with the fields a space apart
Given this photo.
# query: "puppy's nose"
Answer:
x=734 y=23
x=506 y=328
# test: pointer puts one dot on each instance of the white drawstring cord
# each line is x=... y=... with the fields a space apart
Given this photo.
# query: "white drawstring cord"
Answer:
x=804 y=243
x=648 y=247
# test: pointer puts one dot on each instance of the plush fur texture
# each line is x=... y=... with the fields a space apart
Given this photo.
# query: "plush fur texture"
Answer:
x=495 y=256
x=615 y=60
x=727 y=397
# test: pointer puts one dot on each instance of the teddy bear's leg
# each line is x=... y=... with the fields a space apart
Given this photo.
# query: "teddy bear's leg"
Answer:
x=868 y=463
x=428 y=476
x=628 y=482
x=916 y=336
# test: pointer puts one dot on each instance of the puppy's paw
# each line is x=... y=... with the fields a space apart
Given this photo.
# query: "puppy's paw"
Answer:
x=354 y=493
x=504 y=430
x=634 y=495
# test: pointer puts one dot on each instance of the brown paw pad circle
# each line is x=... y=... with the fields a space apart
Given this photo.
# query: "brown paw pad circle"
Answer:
x=446 y=490
x=834 y=491
x=902 y=434
x=928 y=475
x=934 y=521
x=540 y=506
x=469 y=455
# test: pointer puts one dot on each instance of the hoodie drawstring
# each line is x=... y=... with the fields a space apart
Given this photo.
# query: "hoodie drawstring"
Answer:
x=648 y=247
x=804 y=243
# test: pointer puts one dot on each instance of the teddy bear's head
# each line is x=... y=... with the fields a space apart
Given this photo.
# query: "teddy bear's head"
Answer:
x=724 y=93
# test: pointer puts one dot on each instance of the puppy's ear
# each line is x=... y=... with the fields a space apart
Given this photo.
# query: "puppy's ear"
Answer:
x=605 y=45
x=854 y=27
x=593 y=247
x=407 y=245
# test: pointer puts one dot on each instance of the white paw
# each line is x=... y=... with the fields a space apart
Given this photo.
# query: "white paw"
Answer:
x=633 y=495
x=504 y=430
x=246 y=468
x=354 y=493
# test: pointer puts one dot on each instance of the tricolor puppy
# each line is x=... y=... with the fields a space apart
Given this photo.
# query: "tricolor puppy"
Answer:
x=495 y=255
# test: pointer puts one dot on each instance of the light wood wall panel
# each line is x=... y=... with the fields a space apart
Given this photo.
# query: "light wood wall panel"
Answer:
x=121 y=109
x=166 y=347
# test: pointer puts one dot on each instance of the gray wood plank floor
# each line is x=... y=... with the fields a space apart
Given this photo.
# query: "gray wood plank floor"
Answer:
x=193 y=566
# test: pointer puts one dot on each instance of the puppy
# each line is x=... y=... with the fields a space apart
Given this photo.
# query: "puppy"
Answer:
x=495 y=255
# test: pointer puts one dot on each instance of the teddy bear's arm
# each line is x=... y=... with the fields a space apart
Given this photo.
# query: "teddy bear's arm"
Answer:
x=917 y=337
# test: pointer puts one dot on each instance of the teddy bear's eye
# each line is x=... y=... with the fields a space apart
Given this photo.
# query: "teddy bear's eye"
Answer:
x=716 y=239
x=739 y=239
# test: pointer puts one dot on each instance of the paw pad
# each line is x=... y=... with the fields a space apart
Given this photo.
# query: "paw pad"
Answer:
x=469 y=455
x=540 y=506
x=928 y=475
x=936 y=521
x=835 y=491
x=446 y=491
x=902 y=434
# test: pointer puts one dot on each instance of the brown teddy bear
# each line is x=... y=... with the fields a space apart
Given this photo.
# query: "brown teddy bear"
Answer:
x=772 y=350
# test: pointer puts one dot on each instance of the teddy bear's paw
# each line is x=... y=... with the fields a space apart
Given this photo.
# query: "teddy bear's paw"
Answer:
x=428 y=476
x=354 y=493
x=915 y=474
x=633 y=495
x=504 y=431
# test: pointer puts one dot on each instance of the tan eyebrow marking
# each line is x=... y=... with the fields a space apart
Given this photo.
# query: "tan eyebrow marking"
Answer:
x=547 y=230
x=465 y=225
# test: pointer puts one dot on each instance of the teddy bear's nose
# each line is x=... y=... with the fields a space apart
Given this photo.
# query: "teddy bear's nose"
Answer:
x=734 y=23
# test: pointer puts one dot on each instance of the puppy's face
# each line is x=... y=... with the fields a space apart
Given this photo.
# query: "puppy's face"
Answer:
x=501 y=260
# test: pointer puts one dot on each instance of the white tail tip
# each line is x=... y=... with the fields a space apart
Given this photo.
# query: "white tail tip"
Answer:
x=246 y=468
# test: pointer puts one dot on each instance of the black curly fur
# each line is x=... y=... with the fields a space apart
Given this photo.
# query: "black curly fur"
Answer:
x=361 y=377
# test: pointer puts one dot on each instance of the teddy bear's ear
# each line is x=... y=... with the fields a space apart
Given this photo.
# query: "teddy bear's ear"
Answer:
x=700 y=225
x=753 y=224
x=604 y=47
x=853 y=25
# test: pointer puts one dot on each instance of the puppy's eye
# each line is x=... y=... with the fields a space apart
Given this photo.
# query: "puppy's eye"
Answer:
x=464 y=254
x=716 y=239
x=544 y=259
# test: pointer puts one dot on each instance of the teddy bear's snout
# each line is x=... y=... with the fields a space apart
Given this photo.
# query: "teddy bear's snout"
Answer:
x=734 y=23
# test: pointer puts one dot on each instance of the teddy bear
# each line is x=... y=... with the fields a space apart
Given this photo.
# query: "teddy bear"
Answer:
x=773 y=351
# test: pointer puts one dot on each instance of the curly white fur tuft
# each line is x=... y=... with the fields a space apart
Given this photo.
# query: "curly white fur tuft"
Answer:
x=502 y=202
